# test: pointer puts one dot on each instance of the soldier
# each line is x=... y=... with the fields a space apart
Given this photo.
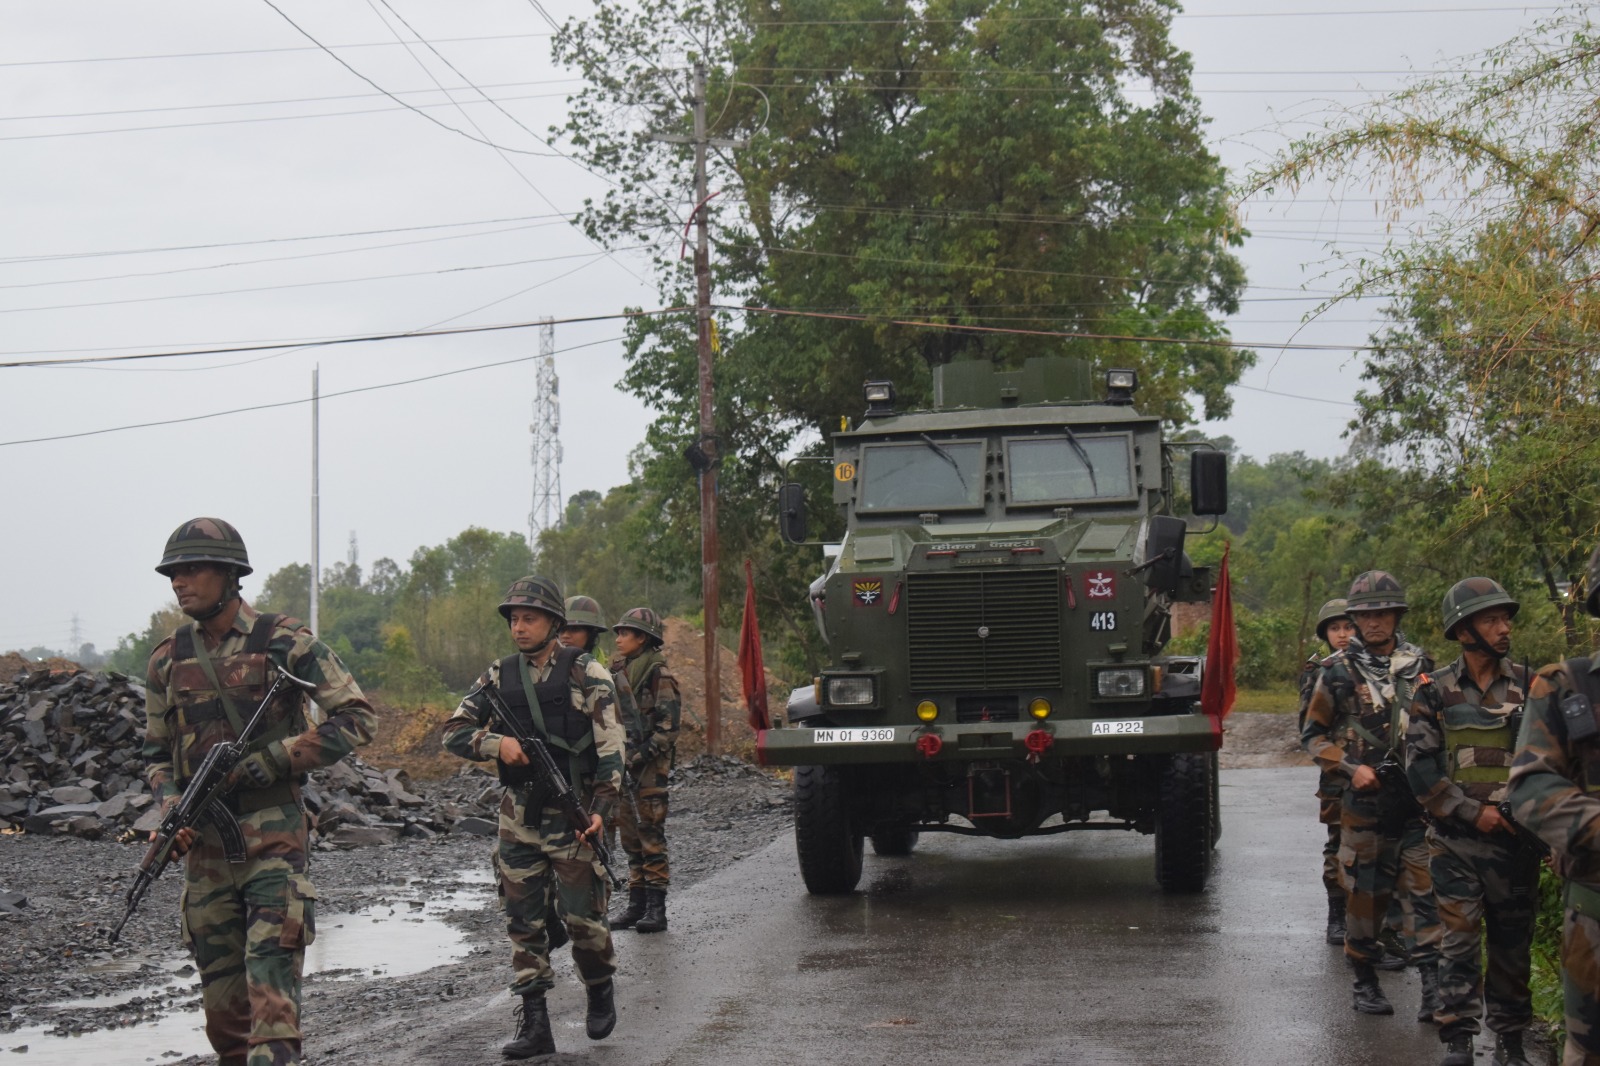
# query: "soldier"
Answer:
x=1335 y=629
x=1464 y=723
x=1555 y=792
x=644 y=836
x=585 y=622
x=1355 y=728
x=564 y=697
x=246 y=923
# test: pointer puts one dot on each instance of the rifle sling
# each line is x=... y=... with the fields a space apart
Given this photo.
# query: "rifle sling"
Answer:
x=574 y=767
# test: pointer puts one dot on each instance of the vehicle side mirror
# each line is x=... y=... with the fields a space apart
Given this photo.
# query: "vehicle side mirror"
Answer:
x=792 y=512
x=1163 y=551
x=1208 y=482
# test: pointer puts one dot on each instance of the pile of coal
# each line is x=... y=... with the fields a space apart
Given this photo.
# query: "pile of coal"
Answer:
x=70 y=763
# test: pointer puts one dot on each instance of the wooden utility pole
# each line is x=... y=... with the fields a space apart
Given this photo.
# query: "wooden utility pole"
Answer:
x=706 y=467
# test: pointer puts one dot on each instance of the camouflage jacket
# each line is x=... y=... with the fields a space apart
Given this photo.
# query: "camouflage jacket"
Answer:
x=1555 y=782
x=469 y=733
x=656 y=693
x=1343 y=707
x=1310 y=670
x=1460 y=740
x=181 y=723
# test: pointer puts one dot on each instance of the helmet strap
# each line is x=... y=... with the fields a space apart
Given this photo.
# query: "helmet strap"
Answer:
x=1476 y=643
x=230 y=592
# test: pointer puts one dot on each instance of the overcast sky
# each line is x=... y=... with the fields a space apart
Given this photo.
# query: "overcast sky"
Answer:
x=100 y=254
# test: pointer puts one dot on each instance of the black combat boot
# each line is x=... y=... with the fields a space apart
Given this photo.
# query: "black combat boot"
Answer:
x=533 y=1030
x=630 y=917
x=1336 y=919
x=655 y=912
x=1369 y=997
x=1459 y=1051
x=602 y=1016
x=1431 y=999
x=1508 y=1050
x=1395 y=954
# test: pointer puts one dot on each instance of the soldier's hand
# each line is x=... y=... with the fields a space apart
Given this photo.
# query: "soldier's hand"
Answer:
x=596 y=827
x=1491 y=820
x=182 y=841
x=1365 y=779
x=511 y=752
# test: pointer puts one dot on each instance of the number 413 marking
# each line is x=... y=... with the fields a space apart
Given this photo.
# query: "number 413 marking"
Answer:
x=1103 y=621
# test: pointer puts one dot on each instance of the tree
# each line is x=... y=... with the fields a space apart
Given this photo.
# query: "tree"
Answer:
x=1479 y=425
x=965 y=164
x=132 y=653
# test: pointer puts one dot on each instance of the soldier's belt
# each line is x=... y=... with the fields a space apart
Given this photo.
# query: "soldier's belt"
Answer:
x=1583 y=899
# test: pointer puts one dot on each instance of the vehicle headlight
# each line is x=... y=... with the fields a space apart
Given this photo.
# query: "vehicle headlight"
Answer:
x=1040 y=708
x=927 y=710
x=1120 y=683
x=849 y=691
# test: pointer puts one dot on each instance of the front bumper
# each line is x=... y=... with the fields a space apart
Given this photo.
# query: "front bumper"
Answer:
x=1069 y=738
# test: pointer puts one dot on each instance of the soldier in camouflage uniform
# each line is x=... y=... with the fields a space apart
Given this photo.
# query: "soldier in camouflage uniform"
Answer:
x=644 y=836
x=1555 y=793
x=1335 y=629
x=565 y=698
x=1355 y=726
x=585 y=623
x=246 y=923
x=1464 y=722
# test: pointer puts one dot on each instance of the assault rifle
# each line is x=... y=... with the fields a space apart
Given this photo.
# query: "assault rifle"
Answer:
x=199 y=804
x=549 y=778
x=1528 y=837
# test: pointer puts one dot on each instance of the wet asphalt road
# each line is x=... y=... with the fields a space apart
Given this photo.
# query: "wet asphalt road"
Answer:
x=1052 y=950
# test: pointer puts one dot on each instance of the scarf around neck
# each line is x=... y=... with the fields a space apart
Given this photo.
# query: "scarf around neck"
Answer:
x=1382 y=672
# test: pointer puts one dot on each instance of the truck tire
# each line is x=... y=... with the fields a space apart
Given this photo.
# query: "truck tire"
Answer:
x=1184 y=824
x=828 y=845
x=1216 y=801
x=894 y=841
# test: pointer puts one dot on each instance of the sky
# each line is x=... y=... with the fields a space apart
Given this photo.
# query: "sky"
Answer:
x=180 y=174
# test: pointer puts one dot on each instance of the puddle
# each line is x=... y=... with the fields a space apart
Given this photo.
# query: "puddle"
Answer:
x=395 y=939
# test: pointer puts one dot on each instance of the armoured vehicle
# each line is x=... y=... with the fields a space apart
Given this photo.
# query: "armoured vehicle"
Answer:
x=995 y=617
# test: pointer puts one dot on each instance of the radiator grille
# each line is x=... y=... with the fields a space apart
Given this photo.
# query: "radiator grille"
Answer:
x=1022 y=610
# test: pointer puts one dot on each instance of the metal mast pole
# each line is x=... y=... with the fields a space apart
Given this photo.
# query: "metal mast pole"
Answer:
x=709 y=543
x=316 y=501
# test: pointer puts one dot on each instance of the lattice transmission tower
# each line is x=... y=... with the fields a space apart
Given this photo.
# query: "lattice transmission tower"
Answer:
x=546 y=430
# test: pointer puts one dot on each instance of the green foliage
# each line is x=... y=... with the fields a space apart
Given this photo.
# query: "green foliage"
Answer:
x=1545 y=981
x=1266 y=646
x=961 y=163
x=406 y=678
x=132 y=653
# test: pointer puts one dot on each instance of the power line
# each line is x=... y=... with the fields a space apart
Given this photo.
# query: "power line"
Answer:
x=1521 y=9
x=256 y=51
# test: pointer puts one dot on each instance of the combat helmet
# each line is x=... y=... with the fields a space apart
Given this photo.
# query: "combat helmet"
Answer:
x=1331 y=611
x=1375 y=590
x=584 y=613
x=537 y=592
x=1466 y=598
x=645 y=621
x=204 y=540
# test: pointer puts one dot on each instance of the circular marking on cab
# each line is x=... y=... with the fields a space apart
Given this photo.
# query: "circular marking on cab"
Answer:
x=844 y=472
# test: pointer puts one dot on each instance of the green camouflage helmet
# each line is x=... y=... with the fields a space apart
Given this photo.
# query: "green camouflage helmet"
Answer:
x=537 y=592
x=205 y=540
x=585 y=613
x=1331 y=611
x=645 y=621
x=1591 y=602
x=1375 y=590
x=1466 y=598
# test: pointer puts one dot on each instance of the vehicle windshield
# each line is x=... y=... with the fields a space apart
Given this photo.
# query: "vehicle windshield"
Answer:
x=922 y=475
x=1051 y=470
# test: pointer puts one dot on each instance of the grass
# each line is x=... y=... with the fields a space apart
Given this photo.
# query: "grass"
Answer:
x=1275 y=699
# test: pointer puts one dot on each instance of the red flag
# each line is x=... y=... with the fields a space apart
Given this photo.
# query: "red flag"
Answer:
x=1222 y=649
x=751 y=670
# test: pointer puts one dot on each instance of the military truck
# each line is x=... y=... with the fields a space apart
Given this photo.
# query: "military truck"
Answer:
x=995 y=617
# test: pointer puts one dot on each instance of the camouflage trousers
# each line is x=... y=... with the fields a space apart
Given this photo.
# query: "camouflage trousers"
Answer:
x=1330 y=796
x=530 y=862
x=247 y=925
x=1580 y=988
x=1486 y=886
x=645 y=838
x=1331 y=882
x=1375 y=866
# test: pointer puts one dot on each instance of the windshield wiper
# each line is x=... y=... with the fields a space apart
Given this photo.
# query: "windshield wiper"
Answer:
x=947 y=457
x=1072 y=439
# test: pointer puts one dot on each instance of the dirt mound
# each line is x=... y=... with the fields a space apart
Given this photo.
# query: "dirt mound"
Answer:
x=13 y=663
x=407 y=739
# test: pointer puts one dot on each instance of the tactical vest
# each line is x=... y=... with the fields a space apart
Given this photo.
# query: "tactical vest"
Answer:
x=204 y=717
x=555 y=720
x=1479 y=743
x=1585 y=753
x=1367 y=733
